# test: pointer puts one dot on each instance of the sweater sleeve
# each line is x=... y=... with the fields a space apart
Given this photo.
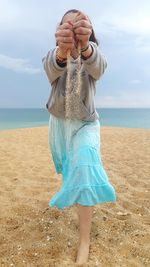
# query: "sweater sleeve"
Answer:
x=51 y=67
x=96 y=64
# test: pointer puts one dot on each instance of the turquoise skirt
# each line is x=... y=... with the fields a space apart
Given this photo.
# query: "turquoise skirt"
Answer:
x=75 y=149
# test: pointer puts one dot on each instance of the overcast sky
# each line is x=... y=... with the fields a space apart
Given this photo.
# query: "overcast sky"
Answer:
x=27 y=33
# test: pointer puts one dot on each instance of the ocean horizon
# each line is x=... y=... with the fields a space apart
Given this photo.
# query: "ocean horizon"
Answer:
x=13 y=118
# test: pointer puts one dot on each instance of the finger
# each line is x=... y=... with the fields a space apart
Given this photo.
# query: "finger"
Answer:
x=65 y=25
x=66 y=32
x=65 y=39
x=82 y=23
x=81 y=16
x=70 y=23
x=82 y=30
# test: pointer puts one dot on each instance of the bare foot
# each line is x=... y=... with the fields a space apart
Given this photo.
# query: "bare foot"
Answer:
x=83 y=253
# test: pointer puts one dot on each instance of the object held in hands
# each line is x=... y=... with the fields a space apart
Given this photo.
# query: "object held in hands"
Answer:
x=72 y=98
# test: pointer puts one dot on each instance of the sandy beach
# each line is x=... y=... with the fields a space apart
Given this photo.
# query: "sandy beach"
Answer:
x=35 y=235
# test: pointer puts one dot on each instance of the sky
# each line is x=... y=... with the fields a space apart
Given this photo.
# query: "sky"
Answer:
x=27 y=32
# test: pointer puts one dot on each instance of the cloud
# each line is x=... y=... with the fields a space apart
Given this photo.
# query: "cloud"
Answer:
x=123 y=29
x=9 y=13
x=18 y=65
x=130 y=17
x=124 y=100
x=135 y=81
x=125 y=24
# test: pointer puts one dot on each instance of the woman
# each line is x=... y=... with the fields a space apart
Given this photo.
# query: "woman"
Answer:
x=75 y=140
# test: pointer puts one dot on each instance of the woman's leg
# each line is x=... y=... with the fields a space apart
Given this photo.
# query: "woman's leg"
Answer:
x=85 y=218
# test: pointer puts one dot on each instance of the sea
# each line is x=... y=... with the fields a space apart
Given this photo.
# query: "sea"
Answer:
x=13 y=118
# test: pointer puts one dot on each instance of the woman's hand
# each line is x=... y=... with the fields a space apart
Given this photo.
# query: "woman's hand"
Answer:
x=65 y=38
x=82 y=29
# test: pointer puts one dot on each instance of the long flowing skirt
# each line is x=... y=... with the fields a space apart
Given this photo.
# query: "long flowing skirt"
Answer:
x=75 y=149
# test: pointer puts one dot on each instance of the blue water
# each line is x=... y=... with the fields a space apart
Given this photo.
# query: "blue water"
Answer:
x=117 y=117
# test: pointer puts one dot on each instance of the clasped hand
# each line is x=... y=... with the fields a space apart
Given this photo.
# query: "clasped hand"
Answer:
x=69 y=33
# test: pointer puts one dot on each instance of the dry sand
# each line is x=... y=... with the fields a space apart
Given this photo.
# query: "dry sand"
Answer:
x=33 y=234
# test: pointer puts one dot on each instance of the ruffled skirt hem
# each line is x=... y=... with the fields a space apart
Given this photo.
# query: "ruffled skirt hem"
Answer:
x=86 y=195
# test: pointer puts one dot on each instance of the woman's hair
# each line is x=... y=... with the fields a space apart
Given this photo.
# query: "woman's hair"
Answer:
x=92 y=37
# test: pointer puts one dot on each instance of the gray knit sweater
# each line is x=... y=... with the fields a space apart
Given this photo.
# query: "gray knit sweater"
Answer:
x=91 y=71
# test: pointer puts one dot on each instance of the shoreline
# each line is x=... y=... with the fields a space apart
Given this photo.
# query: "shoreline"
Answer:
x=102 y=126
